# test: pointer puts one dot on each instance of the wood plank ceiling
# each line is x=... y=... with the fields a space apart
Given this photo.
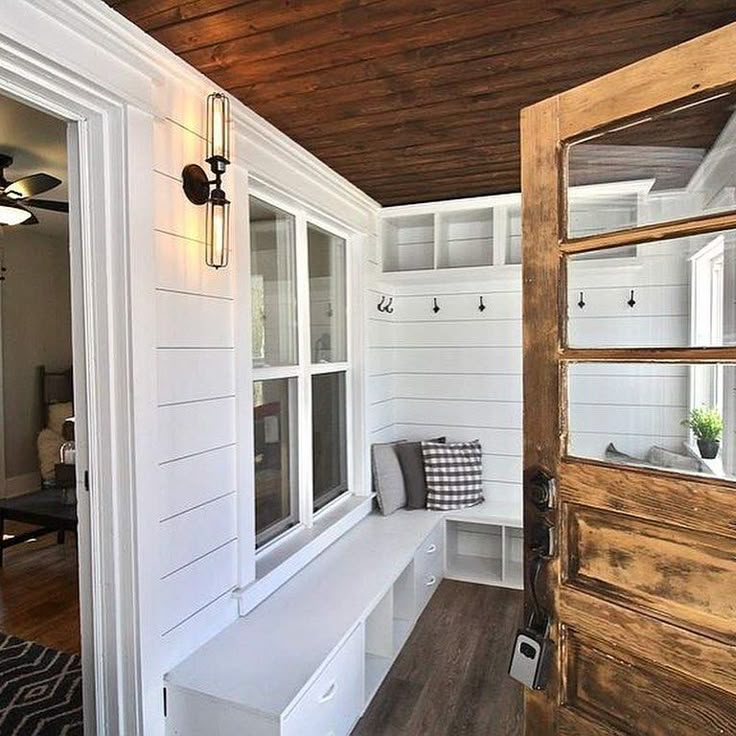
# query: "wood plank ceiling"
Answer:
x=414 y=100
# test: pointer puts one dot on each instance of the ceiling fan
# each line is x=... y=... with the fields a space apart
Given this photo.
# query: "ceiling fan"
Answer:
x=17 y=196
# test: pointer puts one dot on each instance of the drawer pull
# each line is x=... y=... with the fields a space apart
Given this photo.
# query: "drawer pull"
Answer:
x=431 y=549
x=431 y=580
x=329 y=693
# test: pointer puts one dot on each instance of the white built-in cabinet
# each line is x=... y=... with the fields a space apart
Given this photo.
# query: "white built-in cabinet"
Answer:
x=309 y=659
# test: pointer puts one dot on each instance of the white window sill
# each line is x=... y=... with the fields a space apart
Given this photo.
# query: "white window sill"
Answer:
x=277 y=563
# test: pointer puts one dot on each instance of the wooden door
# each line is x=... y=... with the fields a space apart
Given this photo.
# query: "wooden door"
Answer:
x=628 y=184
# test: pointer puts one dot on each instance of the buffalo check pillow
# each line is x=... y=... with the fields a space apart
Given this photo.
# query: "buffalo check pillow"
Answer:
x=453 y=473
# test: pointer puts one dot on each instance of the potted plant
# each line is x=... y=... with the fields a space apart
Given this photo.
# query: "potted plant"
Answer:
x=706 y=424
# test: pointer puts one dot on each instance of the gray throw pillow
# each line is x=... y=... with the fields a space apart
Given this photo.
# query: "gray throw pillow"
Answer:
x=388 y=480
x=412 y=467
x=613 y=455
x=663 y=458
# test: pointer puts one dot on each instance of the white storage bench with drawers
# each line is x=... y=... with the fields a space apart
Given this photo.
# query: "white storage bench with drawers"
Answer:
x=308 y=660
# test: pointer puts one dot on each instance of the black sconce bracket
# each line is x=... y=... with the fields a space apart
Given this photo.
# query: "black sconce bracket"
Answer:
x=197 y=184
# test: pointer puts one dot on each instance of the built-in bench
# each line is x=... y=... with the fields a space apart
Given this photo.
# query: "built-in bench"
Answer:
x=308 y=660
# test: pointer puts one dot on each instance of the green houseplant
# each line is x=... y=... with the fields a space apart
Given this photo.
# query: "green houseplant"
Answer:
x=706 y=424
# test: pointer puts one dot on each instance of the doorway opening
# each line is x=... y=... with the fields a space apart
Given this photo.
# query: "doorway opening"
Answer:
x=42 y=463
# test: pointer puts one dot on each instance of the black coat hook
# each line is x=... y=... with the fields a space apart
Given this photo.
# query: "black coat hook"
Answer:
x=481 y=306
x=581 y=303
x=389 y=309
x=631 y=301
x=436 y=307
x=379 y=306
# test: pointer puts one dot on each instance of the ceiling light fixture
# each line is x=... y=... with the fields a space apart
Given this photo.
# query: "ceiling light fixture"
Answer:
x=12 y=214
x=200 y=190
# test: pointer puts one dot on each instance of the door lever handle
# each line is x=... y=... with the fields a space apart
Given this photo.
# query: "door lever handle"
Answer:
x=542 y=542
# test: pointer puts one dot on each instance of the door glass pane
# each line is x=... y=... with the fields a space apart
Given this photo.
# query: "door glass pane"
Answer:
x=273 y=285
x=671 y=167
x=327 y=301
x=674 y=293
x=274 y=431
x=329 y=438
x=637 y=414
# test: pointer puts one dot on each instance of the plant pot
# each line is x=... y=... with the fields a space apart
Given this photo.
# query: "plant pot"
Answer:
x=709 y=448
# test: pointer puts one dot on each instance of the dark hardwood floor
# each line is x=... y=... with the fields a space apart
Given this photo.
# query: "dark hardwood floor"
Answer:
x=450 y=679
x=39 y=592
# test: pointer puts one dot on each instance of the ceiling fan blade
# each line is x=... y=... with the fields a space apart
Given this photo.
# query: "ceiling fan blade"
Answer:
x=30 y=186
x=47 y=204
x=32 y=220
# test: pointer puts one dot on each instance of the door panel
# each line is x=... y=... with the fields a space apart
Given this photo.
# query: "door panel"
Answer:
x=679 y=575
x=641 y=595
x=639 y=696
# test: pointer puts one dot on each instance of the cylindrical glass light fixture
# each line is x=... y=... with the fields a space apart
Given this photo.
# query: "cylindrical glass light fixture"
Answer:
x=217 y=230
x=218 y=127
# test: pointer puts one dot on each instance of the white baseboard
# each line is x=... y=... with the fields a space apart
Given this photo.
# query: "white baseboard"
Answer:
x=20 y=484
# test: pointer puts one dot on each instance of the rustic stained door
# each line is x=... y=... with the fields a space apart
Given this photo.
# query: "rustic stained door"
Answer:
x=629 y=223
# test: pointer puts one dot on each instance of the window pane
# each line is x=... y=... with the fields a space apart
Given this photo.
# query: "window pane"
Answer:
x=273 y=285
x=666 y=168
x=633 y=414
x=327 y=302
x=329 y=438
x=684 y=294
x=274 y=410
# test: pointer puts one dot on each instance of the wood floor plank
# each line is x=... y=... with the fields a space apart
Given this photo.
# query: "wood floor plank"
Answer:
x=39 y=592
x=450 y=679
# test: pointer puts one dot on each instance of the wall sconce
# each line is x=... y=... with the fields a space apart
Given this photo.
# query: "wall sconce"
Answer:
x=200 y=190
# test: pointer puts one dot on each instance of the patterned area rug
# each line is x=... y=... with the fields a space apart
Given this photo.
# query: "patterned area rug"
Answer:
x=40 y=690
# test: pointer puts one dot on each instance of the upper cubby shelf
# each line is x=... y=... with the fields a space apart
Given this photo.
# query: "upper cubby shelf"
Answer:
x=484 y=231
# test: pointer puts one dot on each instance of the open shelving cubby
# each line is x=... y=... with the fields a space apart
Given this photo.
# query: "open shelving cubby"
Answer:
x=465 y=238
x=485 y=553
x=408 y=243
x=387 y=627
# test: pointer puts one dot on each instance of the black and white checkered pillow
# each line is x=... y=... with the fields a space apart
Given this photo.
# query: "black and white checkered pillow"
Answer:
x=453 y=472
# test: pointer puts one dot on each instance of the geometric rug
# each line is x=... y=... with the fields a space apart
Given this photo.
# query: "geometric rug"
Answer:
x=40 y=690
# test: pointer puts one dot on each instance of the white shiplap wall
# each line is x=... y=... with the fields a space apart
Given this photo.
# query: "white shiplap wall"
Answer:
x=455 y=373
x=196 y=407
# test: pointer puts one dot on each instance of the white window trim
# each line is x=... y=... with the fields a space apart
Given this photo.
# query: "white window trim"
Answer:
x=303 y=371
x=706 y=382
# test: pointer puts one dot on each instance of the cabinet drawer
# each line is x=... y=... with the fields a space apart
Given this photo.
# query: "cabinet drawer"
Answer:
x=335 y=700
x=429 y=564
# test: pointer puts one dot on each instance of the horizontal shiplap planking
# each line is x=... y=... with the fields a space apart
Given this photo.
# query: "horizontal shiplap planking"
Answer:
x=505 y=442
x=433 y=360
x=197 y=532
x=193 y=481
x=449 y=333
x=194 y=428
x=631 y=331
x=194 y=374
x=193 y=321
x=180 y=267
x=175 y=214
x=191 y=589
x=175 y=146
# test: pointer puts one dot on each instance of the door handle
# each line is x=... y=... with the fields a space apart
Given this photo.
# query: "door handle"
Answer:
x=542 y=541
x=329 y=693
